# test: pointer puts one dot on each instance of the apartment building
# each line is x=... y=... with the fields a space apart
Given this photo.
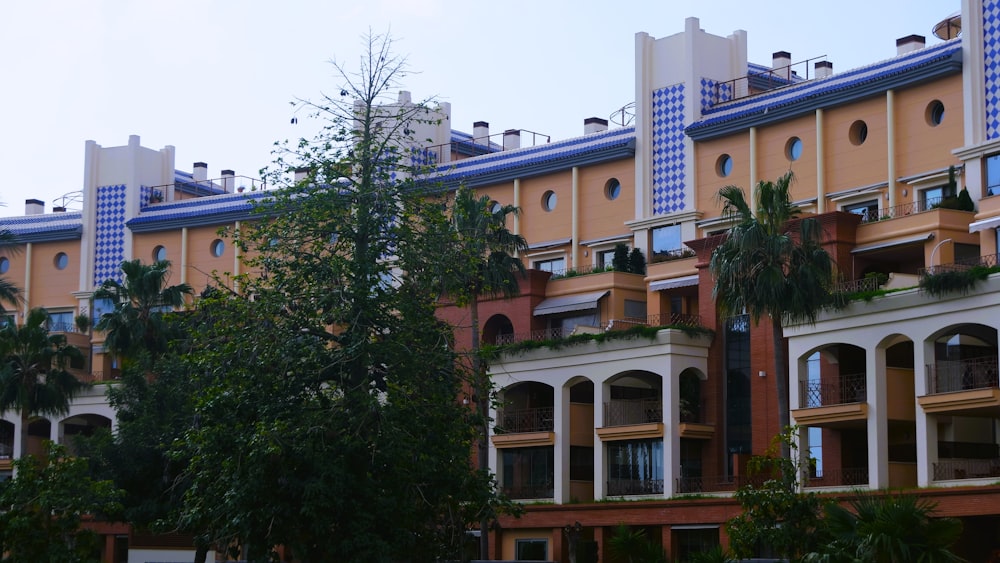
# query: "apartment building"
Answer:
x=655 y=431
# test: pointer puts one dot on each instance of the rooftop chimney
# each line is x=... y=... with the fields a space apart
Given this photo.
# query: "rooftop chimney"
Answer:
x=594 y=125
x=823 y=69
x=301 y=173
x=781 y=63
x=511 y=139
x=200 y=172
x=909 y=44
x=481 y=132
x=34 y=207
x=59 y=209
x=228 y=180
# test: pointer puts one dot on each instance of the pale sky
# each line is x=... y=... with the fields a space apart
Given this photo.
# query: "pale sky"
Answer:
x=214 y=78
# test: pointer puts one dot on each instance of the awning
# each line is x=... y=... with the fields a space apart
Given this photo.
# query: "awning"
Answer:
x=550 y=244
x=892 y=243
x=674 y=282
x=991 y=223
x=562 y=304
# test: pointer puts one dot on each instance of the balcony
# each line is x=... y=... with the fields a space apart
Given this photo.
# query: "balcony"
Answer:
x=529 y=491
x=715 y=483
x=517 y=421
x=627 y=487
x=834 y=401
x=626 y=412
x=962 y=387
x=666 y=319
x=840 y=477
x=693 y=423
x=966 y=469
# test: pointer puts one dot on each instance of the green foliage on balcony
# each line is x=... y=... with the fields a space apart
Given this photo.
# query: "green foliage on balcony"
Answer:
x=648 y=332
x=938 y=284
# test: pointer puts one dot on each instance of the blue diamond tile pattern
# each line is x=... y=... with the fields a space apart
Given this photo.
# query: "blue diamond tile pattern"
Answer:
x=145 y=193
x=714 y=92
x=991 y=62
x=109 y=233
x=668 y=149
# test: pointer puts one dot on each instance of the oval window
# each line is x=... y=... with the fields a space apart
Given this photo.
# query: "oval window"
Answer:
x=159 y=254
x=858 y=133
x=724 y=166
x=935 y=113
x=61 y=261
x=549 y=200
x=218 y=247
x=793 y=148
x=612 y=189
x=4 y=265
x=496 y=207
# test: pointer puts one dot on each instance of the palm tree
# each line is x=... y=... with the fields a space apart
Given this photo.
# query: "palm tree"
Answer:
x=485 y=266
x=888 y=529
x=136 y=322
x=9 y=292
x=763 y=268
x=33 y=375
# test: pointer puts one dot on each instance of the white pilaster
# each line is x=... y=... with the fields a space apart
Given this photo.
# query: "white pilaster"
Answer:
x=560 y=424
x=926 y=427
x=599 y=456
x=878 y=421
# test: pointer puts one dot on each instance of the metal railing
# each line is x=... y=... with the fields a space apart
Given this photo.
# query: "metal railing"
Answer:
x=520 y=492
x=225 y=184
x=715 y=483
x=961 y=375
x=987 y=261
x=536 y=335
x=513 y=421
x=966 y=469
x=623 y=412
x=666 y=319
x=833 y=390
x=842 y=476
x=902 y=210
x=856 y=286
x=763 y=81
x=693 y=412
x=625 y=487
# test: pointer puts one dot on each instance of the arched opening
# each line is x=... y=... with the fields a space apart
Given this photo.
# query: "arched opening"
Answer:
x=581 y=439
x=39 y=430
x=80 y=426
x=498 y=330
x=526 y=462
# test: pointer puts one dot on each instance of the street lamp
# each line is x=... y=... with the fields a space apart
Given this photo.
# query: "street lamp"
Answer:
x=934 y=251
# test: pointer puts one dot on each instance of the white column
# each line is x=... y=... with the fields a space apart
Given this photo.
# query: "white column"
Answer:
x=753 y=168
x=599 y=462
x=926 y=428
x=890 y=117
x=184 y=254
x=671 y=433
x=54 y=427
x=575 y=213
x=560 y=424
x=820 y=164
x=26 y=293
x=878 y=421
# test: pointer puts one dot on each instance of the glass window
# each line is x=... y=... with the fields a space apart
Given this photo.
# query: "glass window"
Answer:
x=635 y=309
x=932 y=197
x=612 y=189
x=737 y=392
x=581 y=463
x=496 y=207
x=4 y=265
x=531 y=550
x=61 y=261
x=101 y=306
x=218 y=247
x=666 y=243
x=724 y=166
x=793 y=148
x=555 y=265
x=549 y=200
x=605 y=258
x=60 y=321
x=159 y=254
x=528 y=472
x=858 y=133
x=935 y=113
x=993 y=175
x=868 y=210
x=635 y=467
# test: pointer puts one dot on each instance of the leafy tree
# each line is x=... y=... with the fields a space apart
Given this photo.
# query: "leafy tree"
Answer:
x=889 y=529
x=636 y=262
x=33 y=376
x=620 y=261
x=484 y=265
x=763 y=267
x=632 y=545
x=327 y=419
x=776 y=517
x=43 y=508
x=136 y=323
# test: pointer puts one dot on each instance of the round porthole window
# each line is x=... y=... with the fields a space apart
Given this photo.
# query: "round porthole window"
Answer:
x=549 y=200
x=218 y=247
x=724 y=166
x=159 y=254
x=793 y=148
x=612 y=189
x=495 y=207
x=4 y=265
x=858 y=133
x=61 y=261
x=935 y=113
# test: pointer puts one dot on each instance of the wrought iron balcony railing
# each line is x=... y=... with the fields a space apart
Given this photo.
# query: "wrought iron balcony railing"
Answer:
x=966 y=469
x=513 y=421
x=961 y=375
x=834 y=390
x=623 y=412
x=625 y=487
